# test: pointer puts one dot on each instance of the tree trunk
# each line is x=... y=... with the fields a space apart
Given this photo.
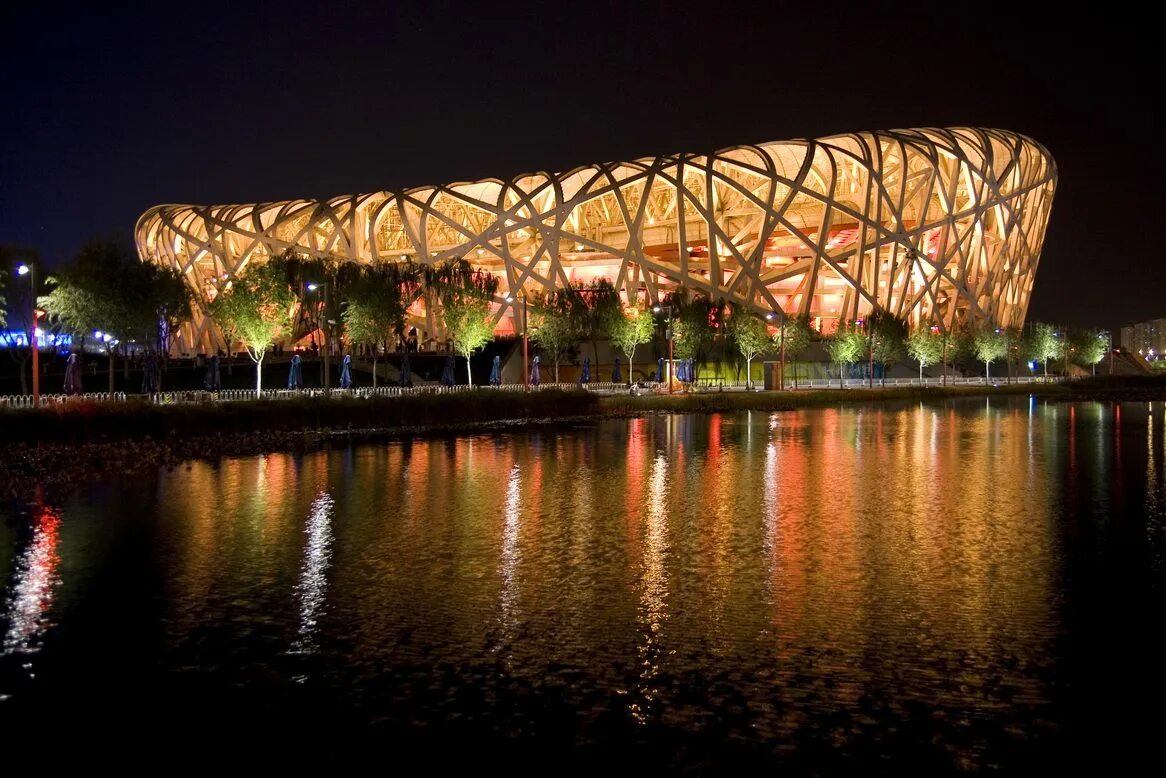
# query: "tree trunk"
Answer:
x=259 y=377
x=556 y=369
x=23 y=377
x=111 y=371
x=469 y=378
x=748 y=372
x=841 y=384
x=374 y=369
x=987 y=372
x=921 y=372
x=631 y=373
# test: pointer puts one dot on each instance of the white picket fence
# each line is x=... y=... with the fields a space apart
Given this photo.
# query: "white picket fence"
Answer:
x=46 y=400
x=239 y=395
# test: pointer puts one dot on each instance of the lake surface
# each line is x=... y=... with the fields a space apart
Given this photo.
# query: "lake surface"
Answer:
x=971 y=585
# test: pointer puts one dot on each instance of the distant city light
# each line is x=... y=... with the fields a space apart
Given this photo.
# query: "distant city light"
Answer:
x=313 y=287
x=23 y=270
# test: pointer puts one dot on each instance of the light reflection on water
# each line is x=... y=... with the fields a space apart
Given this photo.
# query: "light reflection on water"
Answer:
x=856 y=580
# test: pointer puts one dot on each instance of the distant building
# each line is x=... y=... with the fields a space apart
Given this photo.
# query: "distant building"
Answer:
x=1147 y=338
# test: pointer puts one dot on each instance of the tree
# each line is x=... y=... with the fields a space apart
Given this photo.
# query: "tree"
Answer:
x=925 y=345
x=1014 y=339
x=257 y=306
x=106 y=287
x=846 y=345
x=465 y=295
x=989 y=344
x=696 y=321
x=556 y=329
x=632 y=328
x=377 y=298
x=887 y=338
x=751 y=337
x=598 y=312
x=1090 y=347
x=1043 y=344
x=793 y=337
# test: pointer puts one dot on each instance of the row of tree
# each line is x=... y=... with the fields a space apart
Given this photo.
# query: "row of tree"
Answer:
x=884 y=340
x=107 y=289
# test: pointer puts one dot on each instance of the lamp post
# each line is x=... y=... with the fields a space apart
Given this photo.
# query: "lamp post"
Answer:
x=935 y=330
x=670 y=334
x=110 y=341
x=327 y=341
x=30 y=271
x=525 y=338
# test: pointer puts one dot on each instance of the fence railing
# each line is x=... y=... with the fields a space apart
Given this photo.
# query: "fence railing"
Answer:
x=704 y=384
x=46 y=400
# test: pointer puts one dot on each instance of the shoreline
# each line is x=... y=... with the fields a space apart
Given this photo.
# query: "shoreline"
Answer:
x=89 y=441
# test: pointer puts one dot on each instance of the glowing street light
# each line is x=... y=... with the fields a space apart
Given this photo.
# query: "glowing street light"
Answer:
x=29 y=270
x=324 y=334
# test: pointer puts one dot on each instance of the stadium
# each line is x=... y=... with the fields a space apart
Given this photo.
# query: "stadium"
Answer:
x=933 y=225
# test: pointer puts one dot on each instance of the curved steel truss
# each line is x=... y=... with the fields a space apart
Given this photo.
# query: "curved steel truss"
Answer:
x=941 y=225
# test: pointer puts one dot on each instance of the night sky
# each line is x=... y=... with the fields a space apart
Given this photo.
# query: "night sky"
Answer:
x=204 y=102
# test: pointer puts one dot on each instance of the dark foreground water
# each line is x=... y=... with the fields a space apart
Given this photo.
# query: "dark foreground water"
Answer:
x=966 y=586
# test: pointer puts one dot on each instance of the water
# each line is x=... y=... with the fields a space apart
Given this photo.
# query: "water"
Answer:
x=964 y=586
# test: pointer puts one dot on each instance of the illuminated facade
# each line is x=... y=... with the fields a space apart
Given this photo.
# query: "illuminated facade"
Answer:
x=940 y=225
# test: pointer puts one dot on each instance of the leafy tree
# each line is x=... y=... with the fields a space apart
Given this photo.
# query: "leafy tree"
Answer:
x=751 y=337
x=696 y=321
x=846 y=345
x=1014 y=340
x=257 y=306
x=556 y=327
x=106 y=287
x=925 y=345
x=632 y=328
x=989 y=344
x=1090 y=347
x=792 y=338
x=1043 y=344
x=465 y=295
x=886 y=341
x=598 y=312
x=377 y=298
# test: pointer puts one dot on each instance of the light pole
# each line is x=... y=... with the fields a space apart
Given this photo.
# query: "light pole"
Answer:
x=525 y=338
x=943 y=335
x=30 y=271
x=670 y=334
x=110 y=341
x=327 y=341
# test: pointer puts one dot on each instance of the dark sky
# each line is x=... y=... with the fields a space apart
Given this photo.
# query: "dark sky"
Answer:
x=106 y=114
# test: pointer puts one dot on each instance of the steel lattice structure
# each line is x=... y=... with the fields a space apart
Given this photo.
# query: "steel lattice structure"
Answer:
x=940 y=225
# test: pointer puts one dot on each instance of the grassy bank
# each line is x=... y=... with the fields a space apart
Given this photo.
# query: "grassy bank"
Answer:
x=92 y=422
x=86 y=422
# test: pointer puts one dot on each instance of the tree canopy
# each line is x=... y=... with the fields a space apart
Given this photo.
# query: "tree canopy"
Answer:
x=846 y=345
x=556 y=327
x=257 y=307
x=750 y=336
x=925 y=346
x=107 y=288
x=465 y=295
x=990 y=344
x=632 y=328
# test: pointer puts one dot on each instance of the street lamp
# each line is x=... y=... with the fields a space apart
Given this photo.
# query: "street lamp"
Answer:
x=525 y=338
x=670 y=334
x=30 y=271
x=935 y=331
x=324 y=333
x=110 y=341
